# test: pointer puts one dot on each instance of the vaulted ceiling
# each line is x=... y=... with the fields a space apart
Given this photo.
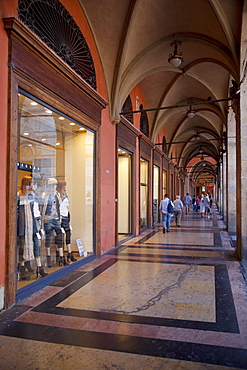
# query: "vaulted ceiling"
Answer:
x=133 y=38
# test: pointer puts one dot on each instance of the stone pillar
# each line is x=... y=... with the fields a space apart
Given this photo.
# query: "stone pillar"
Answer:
x=224 y=188
x=240 y=109
x=231 y=173
x=187 y=185
x=220 y=188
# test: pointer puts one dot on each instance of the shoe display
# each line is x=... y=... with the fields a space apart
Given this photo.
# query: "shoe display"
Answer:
x=28 y=266
x=40 y=271
x=48 y=258
x=23 y=273
x=71 y=258
x=63 y=262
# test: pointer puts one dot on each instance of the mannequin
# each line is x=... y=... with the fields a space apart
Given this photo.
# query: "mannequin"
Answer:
x=51 y=220
x=28 y=230
x=65 y=218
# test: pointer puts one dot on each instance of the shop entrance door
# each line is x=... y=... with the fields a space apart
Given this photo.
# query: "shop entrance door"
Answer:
x=124 y=194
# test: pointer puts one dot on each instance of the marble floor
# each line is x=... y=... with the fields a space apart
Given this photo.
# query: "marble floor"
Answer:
x=160 y=301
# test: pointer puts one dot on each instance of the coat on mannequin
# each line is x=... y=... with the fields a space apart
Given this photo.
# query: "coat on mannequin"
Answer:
x=51 y=220
x=27 y=229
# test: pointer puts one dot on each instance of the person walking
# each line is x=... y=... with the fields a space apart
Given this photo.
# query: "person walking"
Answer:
x=198 y=200
x=207 y=204
x=187 y=203
x=193 y=200
x=178 y=210
x=166 y=213
x=202 y=206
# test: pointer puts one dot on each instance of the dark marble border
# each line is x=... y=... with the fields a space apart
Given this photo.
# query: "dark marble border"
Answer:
x=201 y=353
x=217 y=239
x=226 y=320
x=173 y=247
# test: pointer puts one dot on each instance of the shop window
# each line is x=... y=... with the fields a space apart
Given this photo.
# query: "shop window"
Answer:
x=55 y=190
x=164 y=185
x=155 y=193
x=127 y=107
x=164 y=144
x=144 y=124
x=143 y=192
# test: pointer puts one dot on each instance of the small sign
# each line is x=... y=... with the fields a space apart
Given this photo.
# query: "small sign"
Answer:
x=80 y=247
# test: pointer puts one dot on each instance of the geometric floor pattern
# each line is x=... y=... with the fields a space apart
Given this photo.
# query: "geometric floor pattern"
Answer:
x=160 y=301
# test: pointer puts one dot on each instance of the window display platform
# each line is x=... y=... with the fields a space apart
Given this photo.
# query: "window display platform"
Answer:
x=29 y=287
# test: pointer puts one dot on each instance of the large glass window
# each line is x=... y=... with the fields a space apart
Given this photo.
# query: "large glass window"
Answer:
x=155 y=193
x=143 y=192
x=164 y=185
x=124 y=193
x=55 y=190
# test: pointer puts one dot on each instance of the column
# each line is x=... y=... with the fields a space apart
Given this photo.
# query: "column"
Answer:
x=231 y=173
x=240 y=109
x=224 y=188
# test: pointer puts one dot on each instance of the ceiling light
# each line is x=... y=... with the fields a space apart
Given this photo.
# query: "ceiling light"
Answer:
x=57 y=144
x=190 y=113
x=33 y=103
x=25 y=133
x=48 y=111
x=72 y=124
x=81 y=128
x=175 y=59
x=61 y=118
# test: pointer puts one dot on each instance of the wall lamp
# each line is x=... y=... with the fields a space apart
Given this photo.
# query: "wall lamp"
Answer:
x=175 y=59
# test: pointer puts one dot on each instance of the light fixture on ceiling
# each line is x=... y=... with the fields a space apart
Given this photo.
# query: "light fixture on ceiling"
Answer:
x=200 y=150
x=191 y=112
x=197 y=136
x=175 y=59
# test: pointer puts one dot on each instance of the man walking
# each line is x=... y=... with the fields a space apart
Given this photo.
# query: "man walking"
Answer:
x=187 y=203
x=166 y=215
x=178 y=210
